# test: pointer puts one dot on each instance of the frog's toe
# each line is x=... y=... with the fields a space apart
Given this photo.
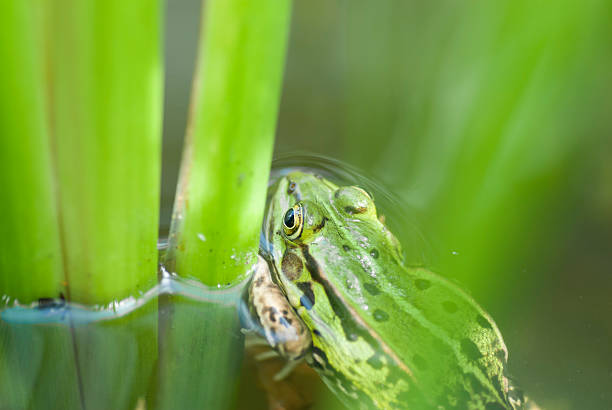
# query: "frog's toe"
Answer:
x=286 y=370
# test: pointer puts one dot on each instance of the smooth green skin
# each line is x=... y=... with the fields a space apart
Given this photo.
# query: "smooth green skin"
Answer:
x=384 y=335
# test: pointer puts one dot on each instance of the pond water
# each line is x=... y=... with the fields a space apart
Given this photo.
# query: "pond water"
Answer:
x=146 y=352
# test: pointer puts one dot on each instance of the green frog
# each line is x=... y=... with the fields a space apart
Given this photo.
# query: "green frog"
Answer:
x=334 y=291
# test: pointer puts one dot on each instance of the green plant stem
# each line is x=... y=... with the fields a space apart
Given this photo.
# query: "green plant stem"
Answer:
x=221 y=195
x=80 y=114
x=30 y=259
x=106 y=100
x=105 y=95
x=225 y=168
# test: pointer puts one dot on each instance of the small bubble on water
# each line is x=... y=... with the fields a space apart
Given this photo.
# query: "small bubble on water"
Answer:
x=455 y=253
x=201 y=237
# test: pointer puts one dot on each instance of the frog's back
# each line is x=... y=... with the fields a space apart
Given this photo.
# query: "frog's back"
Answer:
x=432 y=329
x=449 y=345
x=384 y=334
x=453 y=348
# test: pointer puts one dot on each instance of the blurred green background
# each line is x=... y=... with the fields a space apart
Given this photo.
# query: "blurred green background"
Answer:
x=489 y=118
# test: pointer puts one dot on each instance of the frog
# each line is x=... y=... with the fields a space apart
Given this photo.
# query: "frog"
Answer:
x=332 y=288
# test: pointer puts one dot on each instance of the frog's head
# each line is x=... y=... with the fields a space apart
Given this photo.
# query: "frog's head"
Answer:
x=317 y=228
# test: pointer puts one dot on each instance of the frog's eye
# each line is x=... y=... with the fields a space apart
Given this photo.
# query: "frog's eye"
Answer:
x=353 y=200
x=293 y=222
x=303 y=222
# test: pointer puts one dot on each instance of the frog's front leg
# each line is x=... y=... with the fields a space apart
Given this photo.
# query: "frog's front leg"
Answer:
x=282 y=327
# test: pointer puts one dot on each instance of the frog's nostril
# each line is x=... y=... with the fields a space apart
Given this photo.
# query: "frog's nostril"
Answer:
x=291 y=187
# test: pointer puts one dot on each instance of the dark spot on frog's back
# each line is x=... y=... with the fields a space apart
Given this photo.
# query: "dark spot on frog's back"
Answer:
x=422 y=284
x=308 y=299
x=352 y=337
x=470 y=349
x=291 y=265
x=375 y=362
x=381 y=315
x=395 y=374
x=371 y=288
x=483 y=322
x=449 y=306
x=346 y=248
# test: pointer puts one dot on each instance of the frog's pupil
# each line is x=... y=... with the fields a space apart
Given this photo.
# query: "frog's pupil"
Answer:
x=289 y=219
